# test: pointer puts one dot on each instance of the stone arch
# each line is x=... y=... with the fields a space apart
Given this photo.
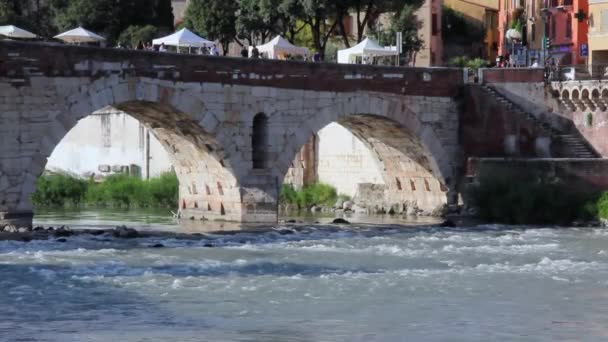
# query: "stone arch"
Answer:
x=604 y=93
x=595 y=94
x=400 y=138
x=575 y=95
x=565 y=94
x=585 y=94
x=259 y=141
x=176 y=118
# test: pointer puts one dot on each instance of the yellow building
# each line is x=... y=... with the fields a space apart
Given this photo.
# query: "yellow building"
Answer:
x=598 y=32
x=482 y=13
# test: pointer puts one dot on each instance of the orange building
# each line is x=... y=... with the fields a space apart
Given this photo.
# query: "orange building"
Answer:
x=564 y=22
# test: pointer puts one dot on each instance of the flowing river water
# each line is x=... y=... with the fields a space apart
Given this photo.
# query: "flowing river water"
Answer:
x=321 y=282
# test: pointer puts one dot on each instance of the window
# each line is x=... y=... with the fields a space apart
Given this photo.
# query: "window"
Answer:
x=106 y=130
x=553 y=26
x=569 y=26
x=567 y=2
x=435 y=28
x=533 y=8
x=259 y=141
x=604 y=21
x=533 y=32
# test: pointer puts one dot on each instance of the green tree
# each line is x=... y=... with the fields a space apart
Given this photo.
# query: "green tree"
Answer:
x=10 y=10
x=320 y=16
x=406 y=22
x=213 y=19
x=32 y=15
x=111 y=17
x=135 y=34
x=163 y=14
x=251 y=22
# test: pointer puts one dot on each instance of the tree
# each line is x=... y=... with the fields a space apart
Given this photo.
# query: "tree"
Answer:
x=133 y=35
x=406 y=22
x=163 y=10
x=367 y=11
x=320 y=16
x=111 y=17
x=9 y=11
x=214 y=19
x=250 y=22
x=32 y=15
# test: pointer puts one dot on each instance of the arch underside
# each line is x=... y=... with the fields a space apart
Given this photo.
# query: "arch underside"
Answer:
x=403 y=161
x=208 y=189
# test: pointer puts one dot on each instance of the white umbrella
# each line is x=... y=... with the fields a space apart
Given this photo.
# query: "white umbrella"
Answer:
x=183 y=37
x=12 y=31
x=79 y=35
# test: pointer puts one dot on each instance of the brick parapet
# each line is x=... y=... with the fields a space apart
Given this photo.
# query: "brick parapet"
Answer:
x=19 y=61
x=511 y=75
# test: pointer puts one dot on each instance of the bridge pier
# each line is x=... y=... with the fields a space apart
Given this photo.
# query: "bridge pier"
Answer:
x=16 y=218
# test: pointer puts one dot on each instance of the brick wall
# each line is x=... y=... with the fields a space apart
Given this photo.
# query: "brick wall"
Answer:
x=19 y=60
x=508 y=75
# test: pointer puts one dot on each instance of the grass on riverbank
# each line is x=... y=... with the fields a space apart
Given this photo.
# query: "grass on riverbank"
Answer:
x=315 y=194
x=58 y=190
x=528 y=197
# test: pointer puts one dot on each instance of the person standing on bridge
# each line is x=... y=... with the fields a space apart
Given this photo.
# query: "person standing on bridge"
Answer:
x=255 y=53
x=214 y=51
x=162 y=48
x=244 y=52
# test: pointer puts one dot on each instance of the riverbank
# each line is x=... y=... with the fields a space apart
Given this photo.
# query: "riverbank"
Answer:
x=119 y=191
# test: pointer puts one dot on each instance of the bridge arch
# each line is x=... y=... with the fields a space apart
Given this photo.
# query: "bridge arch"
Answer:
x=208 y=187
x=403 y=135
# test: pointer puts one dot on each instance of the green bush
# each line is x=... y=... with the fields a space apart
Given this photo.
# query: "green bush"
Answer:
x=528 y=197
x=314 y=194
x=116 y=190
x=135 y=34
x=58 y=190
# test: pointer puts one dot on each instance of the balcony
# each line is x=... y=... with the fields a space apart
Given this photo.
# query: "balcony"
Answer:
x=558 y=4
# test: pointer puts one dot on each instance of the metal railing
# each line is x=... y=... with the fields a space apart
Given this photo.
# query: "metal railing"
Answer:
x=580 y=72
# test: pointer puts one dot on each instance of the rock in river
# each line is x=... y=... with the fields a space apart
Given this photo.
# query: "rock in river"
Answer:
x=125 y=232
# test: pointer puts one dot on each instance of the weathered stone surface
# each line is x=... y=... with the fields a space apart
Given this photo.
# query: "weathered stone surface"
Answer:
x=203 y=115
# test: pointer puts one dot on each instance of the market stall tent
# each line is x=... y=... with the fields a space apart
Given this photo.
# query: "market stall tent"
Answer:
x=12 y=31
x=79 y=35
x=183 y=37
x=278 y=47
x=367 y=48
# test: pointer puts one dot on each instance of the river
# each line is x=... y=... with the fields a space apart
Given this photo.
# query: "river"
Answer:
x=363 y=282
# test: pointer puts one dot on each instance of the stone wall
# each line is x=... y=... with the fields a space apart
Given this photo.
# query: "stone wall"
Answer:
x=488 y=129
x=581 y=174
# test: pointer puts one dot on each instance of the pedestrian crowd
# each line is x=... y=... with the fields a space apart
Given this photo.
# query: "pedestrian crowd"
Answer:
x=254 y=53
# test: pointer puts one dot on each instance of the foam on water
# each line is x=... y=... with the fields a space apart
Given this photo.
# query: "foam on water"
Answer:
x=368 y=284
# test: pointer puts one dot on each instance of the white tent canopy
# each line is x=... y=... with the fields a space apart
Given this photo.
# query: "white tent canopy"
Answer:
x=367 y=48
x=183 y=37
x=12 y=31
x=79 y=35
x=280 y=46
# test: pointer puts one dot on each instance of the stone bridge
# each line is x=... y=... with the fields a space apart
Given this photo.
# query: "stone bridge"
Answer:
x=232 y=126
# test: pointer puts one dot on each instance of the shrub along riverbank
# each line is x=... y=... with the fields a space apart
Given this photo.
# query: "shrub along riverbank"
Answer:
x=529 y=197
x=317 y=194
x=58 y=190
x=64 y=190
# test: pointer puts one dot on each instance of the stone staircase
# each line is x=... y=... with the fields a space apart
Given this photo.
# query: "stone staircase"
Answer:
x=571 y=145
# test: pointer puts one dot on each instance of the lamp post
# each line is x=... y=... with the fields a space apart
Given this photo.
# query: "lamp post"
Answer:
x=513 y=36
